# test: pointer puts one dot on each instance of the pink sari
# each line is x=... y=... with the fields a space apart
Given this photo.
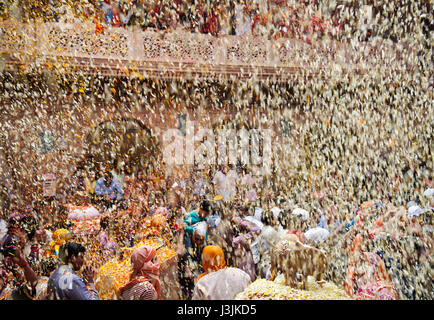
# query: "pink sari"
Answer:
x=373 y=282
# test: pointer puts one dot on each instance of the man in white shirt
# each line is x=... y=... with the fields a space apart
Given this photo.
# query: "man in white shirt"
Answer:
x=243 y=20
x=226 y=183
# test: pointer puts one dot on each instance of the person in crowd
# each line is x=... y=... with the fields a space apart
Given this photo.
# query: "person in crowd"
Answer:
x=218 y=281
x=367 y=277
x=118 y=173
x=14 y=227
x=144 y=282
x=107 y=245
x=110 y=12
x=90 y=183
x=243 y=254
x=248 y=228
x=64 y=283
x=193 y=218
x=46 y=267
x=225 y=181
x=247 y=223
x=243 y=20
x=59 y=236
x=109 y=189
x=262 y=247
x=189 y=263
x=297 y=226
x=269 y=219
x=25 y=278
x=222 y=235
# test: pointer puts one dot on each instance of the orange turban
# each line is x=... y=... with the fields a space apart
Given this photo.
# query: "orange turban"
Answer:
x=213 y=259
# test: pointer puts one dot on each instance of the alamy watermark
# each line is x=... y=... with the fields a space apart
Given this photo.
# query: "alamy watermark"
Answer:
x=200 y=146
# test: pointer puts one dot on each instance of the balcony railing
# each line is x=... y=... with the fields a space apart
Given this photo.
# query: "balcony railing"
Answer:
x=73 y=48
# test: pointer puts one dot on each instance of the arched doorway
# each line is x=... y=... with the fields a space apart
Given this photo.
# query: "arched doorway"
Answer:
x=238 y=128
x=125 y=143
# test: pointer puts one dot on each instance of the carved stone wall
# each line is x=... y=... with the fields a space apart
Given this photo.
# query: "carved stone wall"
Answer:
x=116 y=51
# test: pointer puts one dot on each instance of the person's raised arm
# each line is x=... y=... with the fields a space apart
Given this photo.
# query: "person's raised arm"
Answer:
x=98 y=187
x=188 y=227
x=29 y=274
x=119 y=191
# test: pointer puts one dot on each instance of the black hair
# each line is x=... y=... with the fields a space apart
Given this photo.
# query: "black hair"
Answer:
x=104 y=223
x=206 y=206
x=283 y=218
x=217 y=209
x=29 y=225
x=70 y=249
x=267 y=217
x=9 y=246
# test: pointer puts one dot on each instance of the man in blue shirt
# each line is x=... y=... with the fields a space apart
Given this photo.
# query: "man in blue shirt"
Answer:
x=64 y=283
x=109 y=189
x=190 y=260
x=193 y=217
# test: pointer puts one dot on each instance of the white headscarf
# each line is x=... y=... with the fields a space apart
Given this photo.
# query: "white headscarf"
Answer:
x=267 y=239
x=201 y=229
x=317 y=235
x=429 y=192
x=258 y=213
x=415 y=211
x=301 y=212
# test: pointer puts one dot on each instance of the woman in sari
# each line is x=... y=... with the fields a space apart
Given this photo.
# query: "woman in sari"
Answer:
x=218 y=282
x=367 y=277
x=261 y=249
x=144 y=281
x=107 y=245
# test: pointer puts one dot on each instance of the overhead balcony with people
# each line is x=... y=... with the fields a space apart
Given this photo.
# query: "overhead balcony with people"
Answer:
x=277 y=43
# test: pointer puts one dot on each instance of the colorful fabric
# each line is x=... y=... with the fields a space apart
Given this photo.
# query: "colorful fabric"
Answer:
x=367 y=277
x=190 y=220
x=243 y=256
x=142 y=265
x=139 y=290
x=114 y=191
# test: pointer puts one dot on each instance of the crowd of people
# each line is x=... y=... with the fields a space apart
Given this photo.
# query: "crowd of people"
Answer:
x=354 y=197
x=223 y=230
x=219 y=18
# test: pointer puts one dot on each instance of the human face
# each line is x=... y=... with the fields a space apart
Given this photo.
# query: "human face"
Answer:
x=154 y=260
x=41 y=236
x=202 y=213
x=77 y=261
x=108 y=180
